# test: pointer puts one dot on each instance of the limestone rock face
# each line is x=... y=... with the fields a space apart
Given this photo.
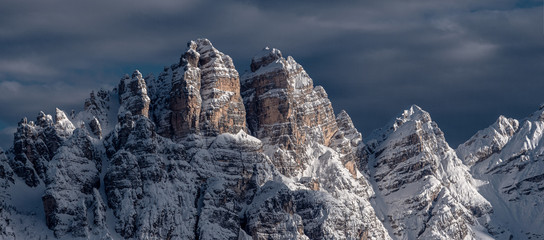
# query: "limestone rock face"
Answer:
x=302 y=138
x=428 y=191
x=348 y=141
x=133 y=94
x=162 y=189
x=200 y=94
x=285 y=110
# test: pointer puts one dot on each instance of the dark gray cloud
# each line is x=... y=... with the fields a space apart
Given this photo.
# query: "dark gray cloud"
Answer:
x=465 y=62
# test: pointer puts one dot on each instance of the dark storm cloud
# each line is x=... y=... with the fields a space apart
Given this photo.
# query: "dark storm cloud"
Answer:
x=465 y=62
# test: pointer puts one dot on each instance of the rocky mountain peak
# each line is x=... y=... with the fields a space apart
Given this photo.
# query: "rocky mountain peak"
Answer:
x=487 y=141
x=44 y=120
x=265 y=57
x=284 y=108
x=200 y=95
x=414 y=113
x=133 y=94
x=416 y=171
x=63 y=125
x=508 y=156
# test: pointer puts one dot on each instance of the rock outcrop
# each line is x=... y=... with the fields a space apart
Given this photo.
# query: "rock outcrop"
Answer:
x=133 y=95
x=427 y=191
x=305 y=142
x=285 y=110
x=73 y=180
x=200 y=94
x=488 y=141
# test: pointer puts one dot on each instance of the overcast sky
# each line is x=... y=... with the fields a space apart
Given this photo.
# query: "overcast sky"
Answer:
x=465 y=62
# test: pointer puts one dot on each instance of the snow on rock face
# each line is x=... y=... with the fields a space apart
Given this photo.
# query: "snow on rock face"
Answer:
x=201 y=94
x=328 y=196
x=133 y=94
x=72 y=178
x=99 y=112
x=6 y=180
x=488 y=141
x=149 y=192
x=515 y=172
x=427 y=191
x=63 y=125
x=34 y=145
x=348 y=141
x=285 y=110
x=161 y=189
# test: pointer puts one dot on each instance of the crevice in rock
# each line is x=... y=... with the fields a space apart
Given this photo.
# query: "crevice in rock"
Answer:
x=199 y=203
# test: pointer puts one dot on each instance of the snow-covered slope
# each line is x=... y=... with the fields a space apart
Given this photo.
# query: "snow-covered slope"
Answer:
x=425 y=191
x=514 y=171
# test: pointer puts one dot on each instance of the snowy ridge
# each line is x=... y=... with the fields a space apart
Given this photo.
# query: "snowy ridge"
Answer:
x=515 y=176
x=487 y=141
x=200 y=153
x=424 y=186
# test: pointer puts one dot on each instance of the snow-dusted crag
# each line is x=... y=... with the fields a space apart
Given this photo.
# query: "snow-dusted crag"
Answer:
x=172 y=158
x=425 y=191
x=202 y=153
x=285 y=110
x=310 y=146
x=509 y=156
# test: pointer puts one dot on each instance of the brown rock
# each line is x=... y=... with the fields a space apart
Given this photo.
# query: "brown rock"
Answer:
x=285 y=109
x=202 y=94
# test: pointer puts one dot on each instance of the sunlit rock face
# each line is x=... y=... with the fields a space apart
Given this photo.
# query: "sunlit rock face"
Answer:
x=199 y=95
x=285 y=110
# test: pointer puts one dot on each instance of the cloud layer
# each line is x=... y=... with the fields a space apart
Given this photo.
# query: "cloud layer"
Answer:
x=465 y=62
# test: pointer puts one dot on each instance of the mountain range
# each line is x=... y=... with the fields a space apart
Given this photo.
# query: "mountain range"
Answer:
x=200 y=152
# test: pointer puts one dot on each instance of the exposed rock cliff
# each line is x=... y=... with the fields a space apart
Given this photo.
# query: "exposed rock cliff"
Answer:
x=200 y=94
x=285 y=110
x=427 y=191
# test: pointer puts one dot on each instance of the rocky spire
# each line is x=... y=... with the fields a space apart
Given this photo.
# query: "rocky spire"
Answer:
x=133 y=94
x=285 y=109
x=201 y=94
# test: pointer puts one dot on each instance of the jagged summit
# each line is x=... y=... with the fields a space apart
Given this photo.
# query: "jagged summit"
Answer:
x=508 y=155
x=422 y=181
x=284 y=108
x=413 y=114
x=200 y=95
x=487 y=141
x=202 y=153
x=133 y=94
x=264 y=58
